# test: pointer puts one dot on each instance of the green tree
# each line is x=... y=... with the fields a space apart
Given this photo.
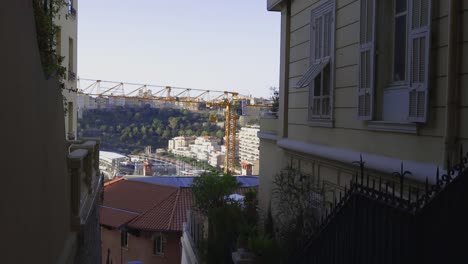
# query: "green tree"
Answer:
x=219 y=134
x=173 y=122
x=166 y=134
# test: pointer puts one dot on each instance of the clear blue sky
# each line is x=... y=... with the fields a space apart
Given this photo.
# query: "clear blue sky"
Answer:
x=209 y=44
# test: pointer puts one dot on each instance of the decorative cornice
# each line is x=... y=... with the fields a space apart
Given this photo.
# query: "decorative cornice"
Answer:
x=268 y=136
x=274 y=5
x=373 y=161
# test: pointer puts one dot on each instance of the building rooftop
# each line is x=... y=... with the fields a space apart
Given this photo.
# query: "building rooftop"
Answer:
x=152 y=203
x=109 y=156
x=186 y=181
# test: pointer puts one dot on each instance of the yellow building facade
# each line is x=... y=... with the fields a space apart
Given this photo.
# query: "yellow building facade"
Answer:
x=67 y=20
x=382 y=79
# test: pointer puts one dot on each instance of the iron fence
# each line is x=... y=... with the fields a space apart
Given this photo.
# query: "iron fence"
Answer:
x=395 y=222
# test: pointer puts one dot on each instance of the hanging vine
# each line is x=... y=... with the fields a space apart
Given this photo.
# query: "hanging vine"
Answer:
x=44 y=12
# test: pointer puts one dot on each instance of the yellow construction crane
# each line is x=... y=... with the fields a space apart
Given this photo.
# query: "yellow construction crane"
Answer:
x=211 y=98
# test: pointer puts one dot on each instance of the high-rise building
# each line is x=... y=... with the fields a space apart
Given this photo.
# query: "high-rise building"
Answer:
x=249 y=144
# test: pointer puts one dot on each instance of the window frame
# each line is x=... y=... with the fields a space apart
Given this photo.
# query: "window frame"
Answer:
x=124 y=242
x=419 y=87
x=324 y=62
x=159 y=237
x=407 y=30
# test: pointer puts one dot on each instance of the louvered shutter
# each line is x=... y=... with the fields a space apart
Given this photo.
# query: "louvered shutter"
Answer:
x=366 y=60
x=419 y=47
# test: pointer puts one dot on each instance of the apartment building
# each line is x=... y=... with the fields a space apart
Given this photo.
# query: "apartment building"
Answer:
x=179 y=142
x=203 y=146
x=66 y=46
x=216 y=159
x=379 y=79
x=249 y=144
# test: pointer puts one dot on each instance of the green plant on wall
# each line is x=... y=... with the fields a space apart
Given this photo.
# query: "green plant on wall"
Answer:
x=46 y=31
x=299 y=201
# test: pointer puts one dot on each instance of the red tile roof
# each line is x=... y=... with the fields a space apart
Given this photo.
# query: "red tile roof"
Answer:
x=135 y=196
x=146 y=206
x=115 y=218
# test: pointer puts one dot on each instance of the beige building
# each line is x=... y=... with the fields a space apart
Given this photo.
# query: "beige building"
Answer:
x=67 y=36
x=381 y=79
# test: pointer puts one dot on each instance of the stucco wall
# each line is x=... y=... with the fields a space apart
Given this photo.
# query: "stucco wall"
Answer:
x=34 y=199
x=140 y=248
x=272 y=160
x=349 y=133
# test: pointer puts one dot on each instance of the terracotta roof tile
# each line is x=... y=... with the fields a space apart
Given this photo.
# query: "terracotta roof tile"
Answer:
x=158 y=217
x=115 y=218
x=135 y=196
x=147 y=206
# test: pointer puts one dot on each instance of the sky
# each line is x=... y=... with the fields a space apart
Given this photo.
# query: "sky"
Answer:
x=209 y=44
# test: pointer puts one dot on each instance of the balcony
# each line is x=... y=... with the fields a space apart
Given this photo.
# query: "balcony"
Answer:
x=268 y=125
x=85 y=180
x=71 y=11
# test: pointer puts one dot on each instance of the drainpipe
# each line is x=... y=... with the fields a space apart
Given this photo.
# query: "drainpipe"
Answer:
x=452 y=103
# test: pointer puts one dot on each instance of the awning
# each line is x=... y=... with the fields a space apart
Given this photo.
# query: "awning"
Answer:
x=312 y=72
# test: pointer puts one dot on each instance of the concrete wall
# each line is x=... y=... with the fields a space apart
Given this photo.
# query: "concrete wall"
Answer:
x=188 y=252
x=463 y=78
x=140 y=248
x=35 y=195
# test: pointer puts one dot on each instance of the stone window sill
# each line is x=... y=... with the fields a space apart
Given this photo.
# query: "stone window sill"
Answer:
x=408 y=128
x=320 y=122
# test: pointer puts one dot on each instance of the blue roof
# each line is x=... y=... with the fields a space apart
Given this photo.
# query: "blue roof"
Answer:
x=186 y=181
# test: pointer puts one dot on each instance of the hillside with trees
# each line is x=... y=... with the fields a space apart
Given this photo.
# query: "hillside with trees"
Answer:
x=129 y=130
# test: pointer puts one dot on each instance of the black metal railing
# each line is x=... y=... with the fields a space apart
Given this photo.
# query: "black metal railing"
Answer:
x=395 y=222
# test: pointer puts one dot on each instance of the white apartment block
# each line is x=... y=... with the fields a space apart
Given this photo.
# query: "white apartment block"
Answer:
x=179 y=143
x=203 y=146
x=249 y=144
x=216 y=159
x=200 y=148
x=66 y=46
x=116 y=101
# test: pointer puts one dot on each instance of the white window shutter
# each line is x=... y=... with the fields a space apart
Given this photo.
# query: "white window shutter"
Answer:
x=419 y=49
x=366 y=60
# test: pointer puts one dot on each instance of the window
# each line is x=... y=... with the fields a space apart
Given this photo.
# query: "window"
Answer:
x=320 y=88
x=159 y=243
x=402 y=86
x=319 y=77
x=71 y=60
x=71 y=8
x=70 y=117
x=124 y=239
x=58 y=42
x=399 y=47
